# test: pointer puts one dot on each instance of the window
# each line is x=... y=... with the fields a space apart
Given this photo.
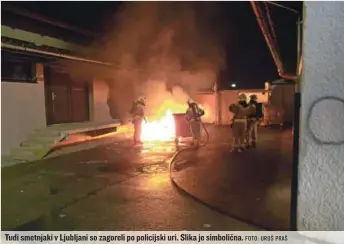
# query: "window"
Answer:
x=17 y=71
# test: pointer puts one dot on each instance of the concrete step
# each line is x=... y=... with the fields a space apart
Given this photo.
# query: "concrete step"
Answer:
x=42 y=139
x=7 y=160
x=30 y=153
x=32 y=145
x=47 y=132
x=22 y=154
x=39 y=143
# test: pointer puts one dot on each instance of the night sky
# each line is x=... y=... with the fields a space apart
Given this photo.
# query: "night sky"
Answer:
x=249 y=62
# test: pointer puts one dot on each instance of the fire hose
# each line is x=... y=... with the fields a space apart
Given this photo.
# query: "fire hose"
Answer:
x=174 y=157
x=172 y=160
x=181 y=189
x=177 y=186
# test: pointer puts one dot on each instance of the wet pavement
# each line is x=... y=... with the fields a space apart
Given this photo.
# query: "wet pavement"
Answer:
x=108 y=187
x=253 y=186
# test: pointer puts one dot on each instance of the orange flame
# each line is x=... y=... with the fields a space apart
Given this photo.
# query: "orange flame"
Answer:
x=159 y=130
x=162 y=127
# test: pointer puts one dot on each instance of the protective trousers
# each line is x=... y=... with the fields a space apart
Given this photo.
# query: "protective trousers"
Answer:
x=239 y=132
x=252 y=136
x=137 y=130
x=195 y=127
x=266 y=118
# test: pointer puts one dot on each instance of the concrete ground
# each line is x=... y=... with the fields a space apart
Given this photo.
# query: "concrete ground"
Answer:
x=105 y=186
x=254 y=186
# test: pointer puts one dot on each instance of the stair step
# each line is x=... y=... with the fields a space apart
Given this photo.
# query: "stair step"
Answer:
x=9 y=161
x=29 y=152
x=37 y=144
x=43 y=139
x=47 y=132
x=23 y=155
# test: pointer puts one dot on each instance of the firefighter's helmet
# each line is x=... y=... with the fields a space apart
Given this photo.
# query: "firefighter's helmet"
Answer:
x=190 y=101
x=253 y=97
x=141 y=99
x=242 y=97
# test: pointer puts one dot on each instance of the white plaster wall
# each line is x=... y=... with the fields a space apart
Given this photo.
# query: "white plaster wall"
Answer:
x=22 y=111
x=227 y=98
x=321 y=170
x=101 y=111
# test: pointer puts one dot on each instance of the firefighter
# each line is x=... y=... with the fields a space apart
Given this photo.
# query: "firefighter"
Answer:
x=253 y=121
x=239 y=122
x=243 y=100
x=193 y=117
x=137 y=111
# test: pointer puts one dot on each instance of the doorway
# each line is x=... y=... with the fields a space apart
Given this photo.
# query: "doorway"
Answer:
x=66 y=99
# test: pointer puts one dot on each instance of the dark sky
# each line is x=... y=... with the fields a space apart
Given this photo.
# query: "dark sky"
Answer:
x=249 y=62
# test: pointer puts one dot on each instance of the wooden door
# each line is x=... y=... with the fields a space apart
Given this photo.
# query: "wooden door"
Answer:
x=66 y=99
x=79 y=103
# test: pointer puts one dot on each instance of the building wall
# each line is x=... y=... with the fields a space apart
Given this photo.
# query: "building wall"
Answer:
x=100 y=111
x=22 y=111
x=321 y=167
x=227 y=98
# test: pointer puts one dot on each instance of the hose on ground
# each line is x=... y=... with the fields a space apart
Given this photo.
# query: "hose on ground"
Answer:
x=174 y=157
x=177 y=153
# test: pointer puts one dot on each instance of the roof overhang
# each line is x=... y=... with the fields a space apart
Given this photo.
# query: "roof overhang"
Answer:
x=50 y=55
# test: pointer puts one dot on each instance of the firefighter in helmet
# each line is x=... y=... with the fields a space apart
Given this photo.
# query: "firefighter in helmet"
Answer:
x=193 y=117
x=138 y=113
x=243 y=100
x=239 y=122
x=253 y=121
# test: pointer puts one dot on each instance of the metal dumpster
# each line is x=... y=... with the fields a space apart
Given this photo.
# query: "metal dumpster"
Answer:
x=182 y=127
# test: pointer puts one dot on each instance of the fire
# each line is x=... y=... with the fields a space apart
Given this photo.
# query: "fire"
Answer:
x=161 y=127
x=159 y=130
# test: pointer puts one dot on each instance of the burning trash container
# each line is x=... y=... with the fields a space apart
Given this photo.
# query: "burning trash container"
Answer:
x=182 y=126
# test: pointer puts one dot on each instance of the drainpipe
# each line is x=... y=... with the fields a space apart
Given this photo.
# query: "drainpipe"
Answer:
x=31 y=50
x=272 y=48
x=266 y=35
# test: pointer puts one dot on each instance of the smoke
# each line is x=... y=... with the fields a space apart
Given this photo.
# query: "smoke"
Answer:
x=160 y=47
x=166 y=51
x=162 y=101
